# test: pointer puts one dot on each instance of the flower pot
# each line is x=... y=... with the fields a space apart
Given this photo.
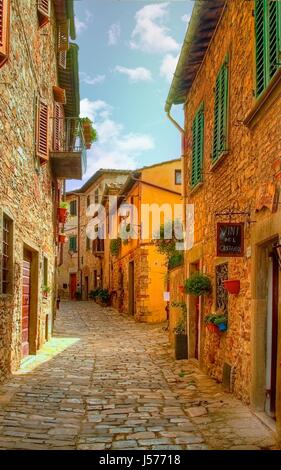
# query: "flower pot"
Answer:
x=212 y=328
x=62 y=238
x=181 y=346
x=62 y=215
x=232 y=286
x=45 y=295
x=222 y=326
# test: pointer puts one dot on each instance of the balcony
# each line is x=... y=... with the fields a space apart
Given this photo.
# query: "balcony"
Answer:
x=68 y=156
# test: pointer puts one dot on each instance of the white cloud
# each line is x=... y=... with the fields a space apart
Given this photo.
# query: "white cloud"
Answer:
x=115 y=148
x=168 y=66
x=114 y=33
x=186 y=18
x=91 y=81
x=82 y=25
x=139 y=74
x=150 y=33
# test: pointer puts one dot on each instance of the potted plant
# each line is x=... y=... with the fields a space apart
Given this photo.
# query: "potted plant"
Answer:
x=216 y=322
x=232 y=286
x=103 y=297
x=90 y=134
x=221 y=322
x=45 y=291
x=180 y=332
x=62 y=238
x=198 y=284
x=62 y=212
x=115 y=246
x=94 y=293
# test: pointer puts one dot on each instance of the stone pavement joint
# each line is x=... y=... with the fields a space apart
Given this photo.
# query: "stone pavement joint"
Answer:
x=106 y=382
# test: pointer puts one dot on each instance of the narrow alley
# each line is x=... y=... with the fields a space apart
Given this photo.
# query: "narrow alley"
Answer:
x=107 y=382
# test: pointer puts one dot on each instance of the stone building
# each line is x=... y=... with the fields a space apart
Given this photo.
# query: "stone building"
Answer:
x=228 y=78
x=39 y=98
x=138 y=272
x=81 y=269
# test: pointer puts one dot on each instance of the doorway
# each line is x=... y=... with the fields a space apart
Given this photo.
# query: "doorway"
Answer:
x=73 y=285
x=131 y=288
x=194 y=320
x=86 y=287
x=26 y=303
x=271 y=335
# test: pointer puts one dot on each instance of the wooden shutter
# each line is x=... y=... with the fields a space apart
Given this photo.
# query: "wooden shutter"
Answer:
x=42 y=131
x=221 y=112
x=268 y=41
x=72 y=244
x=58 y=131
x=62 y=55
x=63 y=36
x=4 y=30
x=197 y=146
x=43 y=9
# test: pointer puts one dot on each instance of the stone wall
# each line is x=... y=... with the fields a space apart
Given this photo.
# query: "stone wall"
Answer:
x=27 y=195
x=233 y=183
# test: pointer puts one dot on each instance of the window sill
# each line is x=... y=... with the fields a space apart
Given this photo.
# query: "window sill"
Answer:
x=267 y=98
x=221 y=159
x=195 y=188
x=6 y=297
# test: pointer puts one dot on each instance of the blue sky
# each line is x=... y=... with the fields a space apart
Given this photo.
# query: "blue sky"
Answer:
x=128 y=52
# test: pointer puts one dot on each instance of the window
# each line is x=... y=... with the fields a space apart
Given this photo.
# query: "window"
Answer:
x=221 y=112
x=73 y=207
x=7 y=255
x=88 y=243
x=177 y=176
x=96 y=196
x=268 y=45
x=4 y=30
x=43 y=10
x=42 y=131
x=73 y=243
x=197 y=146
x=88 y=200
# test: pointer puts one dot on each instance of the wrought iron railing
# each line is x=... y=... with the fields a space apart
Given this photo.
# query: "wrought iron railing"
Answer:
x=69 y=138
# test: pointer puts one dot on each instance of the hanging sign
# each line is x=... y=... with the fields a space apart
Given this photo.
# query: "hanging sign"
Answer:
x=230 y=239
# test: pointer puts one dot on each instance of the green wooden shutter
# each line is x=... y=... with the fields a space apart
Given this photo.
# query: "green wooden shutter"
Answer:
x=72 y=244
x=221 y=112
x=197 y=146
x=268 y=41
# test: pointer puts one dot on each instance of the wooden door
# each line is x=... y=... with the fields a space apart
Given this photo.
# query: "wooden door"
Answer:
x=131 y=288
x=26 y=293
x=272 y=336
x=73 y=285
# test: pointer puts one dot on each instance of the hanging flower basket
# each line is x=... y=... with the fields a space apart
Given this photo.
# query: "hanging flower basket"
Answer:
x=232 y=286
x=62 y=215
x=62 y=238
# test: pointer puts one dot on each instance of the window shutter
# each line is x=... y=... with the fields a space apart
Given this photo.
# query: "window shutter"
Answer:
x=43 y=8
x=42 y=131
x=62 y=59
x=221 y=112
x=58 y=132
x=4 y=30
x=197 y=146
x=63 y=36
x=268 y=41
x=72 y=244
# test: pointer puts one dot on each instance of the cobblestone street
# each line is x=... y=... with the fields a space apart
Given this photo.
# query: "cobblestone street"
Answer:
x=106 y=382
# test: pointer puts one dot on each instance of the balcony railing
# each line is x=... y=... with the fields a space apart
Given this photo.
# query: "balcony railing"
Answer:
x=69 y=156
